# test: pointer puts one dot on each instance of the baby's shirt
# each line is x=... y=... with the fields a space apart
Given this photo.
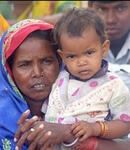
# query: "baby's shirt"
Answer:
x=103 y=98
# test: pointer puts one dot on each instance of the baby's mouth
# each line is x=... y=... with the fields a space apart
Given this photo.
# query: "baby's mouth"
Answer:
x=84 y=72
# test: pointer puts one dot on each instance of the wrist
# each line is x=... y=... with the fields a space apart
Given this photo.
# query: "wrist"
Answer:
x=68 y=136
x=96 y=129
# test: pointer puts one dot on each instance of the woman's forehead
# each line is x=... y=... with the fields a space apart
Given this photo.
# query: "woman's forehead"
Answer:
x=34 y=47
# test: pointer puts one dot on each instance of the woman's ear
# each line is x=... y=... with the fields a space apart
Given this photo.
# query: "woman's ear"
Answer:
x=105 y=47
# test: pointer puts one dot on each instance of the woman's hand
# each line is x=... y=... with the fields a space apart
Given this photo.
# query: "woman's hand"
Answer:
x=40 y=134
x=51 y=134
x=24 y=126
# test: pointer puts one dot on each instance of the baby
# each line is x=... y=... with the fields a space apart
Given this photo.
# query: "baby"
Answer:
x=95 y=101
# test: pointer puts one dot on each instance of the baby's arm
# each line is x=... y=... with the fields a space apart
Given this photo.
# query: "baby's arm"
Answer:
x=108 y=130
x=114 y=129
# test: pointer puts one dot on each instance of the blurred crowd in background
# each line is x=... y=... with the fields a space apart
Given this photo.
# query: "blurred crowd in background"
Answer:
x=13 y=11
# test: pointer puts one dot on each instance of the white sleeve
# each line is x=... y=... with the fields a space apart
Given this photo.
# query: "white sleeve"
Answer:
x=120 y=103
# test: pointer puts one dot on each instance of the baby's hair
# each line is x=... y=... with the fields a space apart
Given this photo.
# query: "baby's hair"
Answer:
x=76 y=20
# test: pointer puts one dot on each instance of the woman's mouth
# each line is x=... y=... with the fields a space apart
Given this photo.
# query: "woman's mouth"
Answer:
x=38 y=87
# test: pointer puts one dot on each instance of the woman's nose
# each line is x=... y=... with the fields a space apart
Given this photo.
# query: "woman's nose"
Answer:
x=37 y=70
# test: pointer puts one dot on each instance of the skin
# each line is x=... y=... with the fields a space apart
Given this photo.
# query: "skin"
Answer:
x=83 y=58
x=116 y=16
x=33 y=66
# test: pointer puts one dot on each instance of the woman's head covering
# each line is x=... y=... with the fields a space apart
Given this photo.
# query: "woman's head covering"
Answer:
x=12 y=104
x=17 y=33
x=14 y=37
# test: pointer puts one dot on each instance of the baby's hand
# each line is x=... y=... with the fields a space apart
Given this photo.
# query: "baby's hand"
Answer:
x=83 y=130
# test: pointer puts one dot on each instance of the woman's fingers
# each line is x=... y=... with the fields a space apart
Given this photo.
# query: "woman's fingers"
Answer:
x=24 y=117
x=42 y=135
x=22 y=120
x=28 y=124
x=23 y=127
x=21 y=141
x=46 y=140
x=34 y=132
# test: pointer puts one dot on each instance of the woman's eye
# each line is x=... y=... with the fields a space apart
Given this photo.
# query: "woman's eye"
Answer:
x=47 y=61
x=23 y=65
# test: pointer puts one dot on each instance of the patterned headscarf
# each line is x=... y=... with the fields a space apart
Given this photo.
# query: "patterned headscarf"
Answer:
x=15 y=36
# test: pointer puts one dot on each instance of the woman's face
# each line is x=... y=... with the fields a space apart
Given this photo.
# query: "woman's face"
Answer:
x=35 y=68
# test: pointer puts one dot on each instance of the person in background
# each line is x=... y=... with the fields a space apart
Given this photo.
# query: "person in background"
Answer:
x=3 y=25
x=6 y=9
x=116 y=15
x=48 y=11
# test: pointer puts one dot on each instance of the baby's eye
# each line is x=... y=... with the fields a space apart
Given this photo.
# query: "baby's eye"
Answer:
x=90 y=52
x=70 y=56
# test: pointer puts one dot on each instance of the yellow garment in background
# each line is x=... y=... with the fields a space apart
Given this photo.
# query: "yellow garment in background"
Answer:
x=3 y=25
x=43 y=8
x=61 y=6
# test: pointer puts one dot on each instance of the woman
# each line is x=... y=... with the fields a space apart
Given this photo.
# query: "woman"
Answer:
x=28 y=68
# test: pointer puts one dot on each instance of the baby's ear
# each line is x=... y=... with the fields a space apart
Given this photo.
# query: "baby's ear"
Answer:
x=105 y=47
x=60 y=52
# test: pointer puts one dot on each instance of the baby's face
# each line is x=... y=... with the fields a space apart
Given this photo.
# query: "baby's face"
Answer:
x=83 y=55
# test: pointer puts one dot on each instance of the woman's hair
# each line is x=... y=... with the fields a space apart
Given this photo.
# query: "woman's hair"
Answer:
x=41 y=34
x=76 y=20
